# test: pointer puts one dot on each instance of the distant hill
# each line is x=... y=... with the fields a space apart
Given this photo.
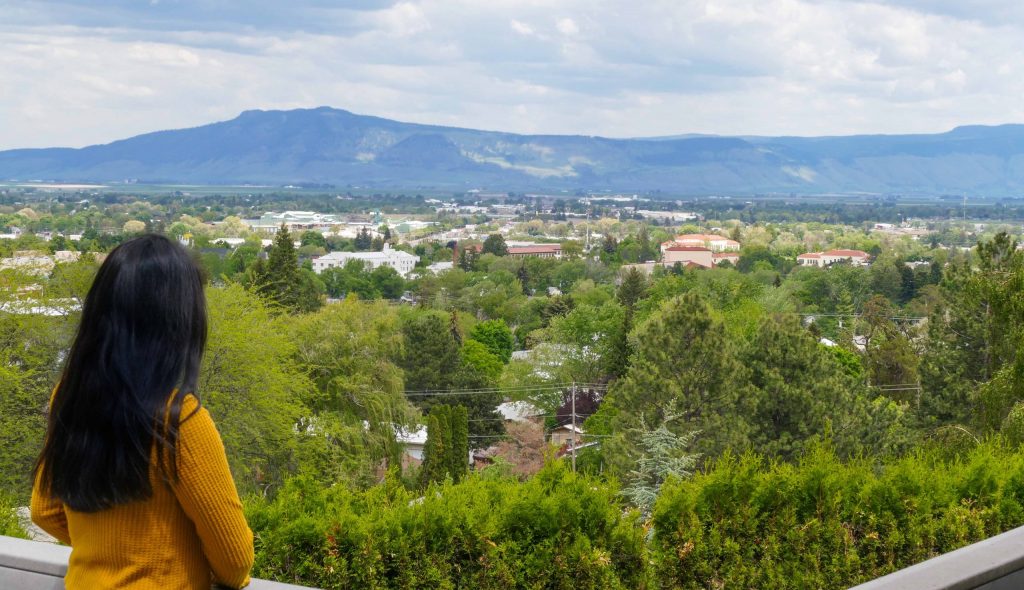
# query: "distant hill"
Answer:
x=333 y=146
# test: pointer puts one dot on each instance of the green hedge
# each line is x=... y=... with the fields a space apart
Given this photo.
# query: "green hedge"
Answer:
x=742 y=523
x=9 y=524
x=557 y=530
x=828 y=524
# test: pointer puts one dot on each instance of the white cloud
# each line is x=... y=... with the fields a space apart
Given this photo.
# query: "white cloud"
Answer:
x=84 y=74
x=521 y=27
x=567 y=26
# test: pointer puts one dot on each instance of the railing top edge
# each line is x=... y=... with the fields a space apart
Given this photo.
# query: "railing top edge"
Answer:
x=962 y=569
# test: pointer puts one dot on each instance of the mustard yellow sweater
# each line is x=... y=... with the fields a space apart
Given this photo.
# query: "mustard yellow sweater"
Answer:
x=185 y=536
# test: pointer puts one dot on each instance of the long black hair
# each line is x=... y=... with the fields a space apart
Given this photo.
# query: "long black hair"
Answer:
x=135 y=357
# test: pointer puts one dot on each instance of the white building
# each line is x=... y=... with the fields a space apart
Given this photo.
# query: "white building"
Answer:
x=822 y=259
x=401 y=261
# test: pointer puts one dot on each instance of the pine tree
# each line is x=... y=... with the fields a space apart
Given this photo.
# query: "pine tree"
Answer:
x=282 y=281
x=684 y=360
x=431 y=357
x=633 y=288
x=524 y=279
x=908 y=289
x=647 y=251
x=616 y=360
x=363 y=240
x=468 y=256
x=283 y=260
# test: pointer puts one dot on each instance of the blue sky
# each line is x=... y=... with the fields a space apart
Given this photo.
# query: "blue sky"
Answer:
x=75 y=73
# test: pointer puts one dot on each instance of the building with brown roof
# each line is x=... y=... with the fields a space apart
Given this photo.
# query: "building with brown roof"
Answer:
x=536 y=250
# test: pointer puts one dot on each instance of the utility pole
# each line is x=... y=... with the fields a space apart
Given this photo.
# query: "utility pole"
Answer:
x=574 y=435
x=586 y=249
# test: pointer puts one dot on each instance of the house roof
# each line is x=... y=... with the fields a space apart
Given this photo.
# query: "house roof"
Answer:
x=809 y=255
x=569 y=427
x=540 y=249
x=704 y=238
x=725 y=255
x=686 y=249
x=855 y=253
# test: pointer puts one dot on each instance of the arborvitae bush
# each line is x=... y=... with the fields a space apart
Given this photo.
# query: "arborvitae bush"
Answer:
x=9 y=524
x=743 y=522
x=823 y=523
x=557 y=530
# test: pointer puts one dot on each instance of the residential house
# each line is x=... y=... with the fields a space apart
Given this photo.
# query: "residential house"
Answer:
x=414 y=442
x=566 y=435
x=13 y=234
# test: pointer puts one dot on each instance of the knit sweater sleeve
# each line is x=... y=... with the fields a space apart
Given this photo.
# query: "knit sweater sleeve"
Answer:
x=208 y=496
x=48 y=513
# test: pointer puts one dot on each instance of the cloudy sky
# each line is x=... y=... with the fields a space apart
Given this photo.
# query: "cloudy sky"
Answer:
x=74 y=73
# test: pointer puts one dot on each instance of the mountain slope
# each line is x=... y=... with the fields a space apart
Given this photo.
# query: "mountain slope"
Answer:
x=327 y=145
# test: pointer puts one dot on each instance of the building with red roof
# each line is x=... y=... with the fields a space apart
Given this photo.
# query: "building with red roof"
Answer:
x=822 y=259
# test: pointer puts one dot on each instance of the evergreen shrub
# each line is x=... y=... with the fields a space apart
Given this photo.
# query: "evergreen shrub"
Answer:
x=825 y=523
x=742 y=522
x=557 y=530
x=10 y=526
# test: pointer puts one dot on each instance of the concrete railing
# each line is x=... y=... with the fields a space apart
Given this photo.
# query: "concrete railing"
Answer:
x=31 y=565
x=992 y=564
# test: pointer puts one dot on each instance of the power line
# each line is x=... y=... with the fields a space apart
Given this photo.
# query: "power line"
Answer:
x=857 y=315
x=495 y=390
x=535 y=386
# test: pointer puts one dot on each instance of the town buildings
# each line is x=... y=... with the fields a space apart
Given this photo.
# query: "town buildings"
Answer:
x=271 y=222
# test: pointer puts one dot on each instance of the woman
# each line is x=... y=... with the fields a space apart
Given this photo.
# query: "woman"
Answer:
x=133 y=475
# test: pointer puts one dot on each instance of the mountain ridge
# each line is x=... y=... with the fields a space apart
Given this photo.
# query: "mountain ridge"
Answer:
x=334 y=146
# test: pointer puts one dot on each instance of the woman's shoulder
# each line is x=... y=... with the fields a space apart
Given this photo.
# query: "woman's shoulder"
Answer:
x=190 y=404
